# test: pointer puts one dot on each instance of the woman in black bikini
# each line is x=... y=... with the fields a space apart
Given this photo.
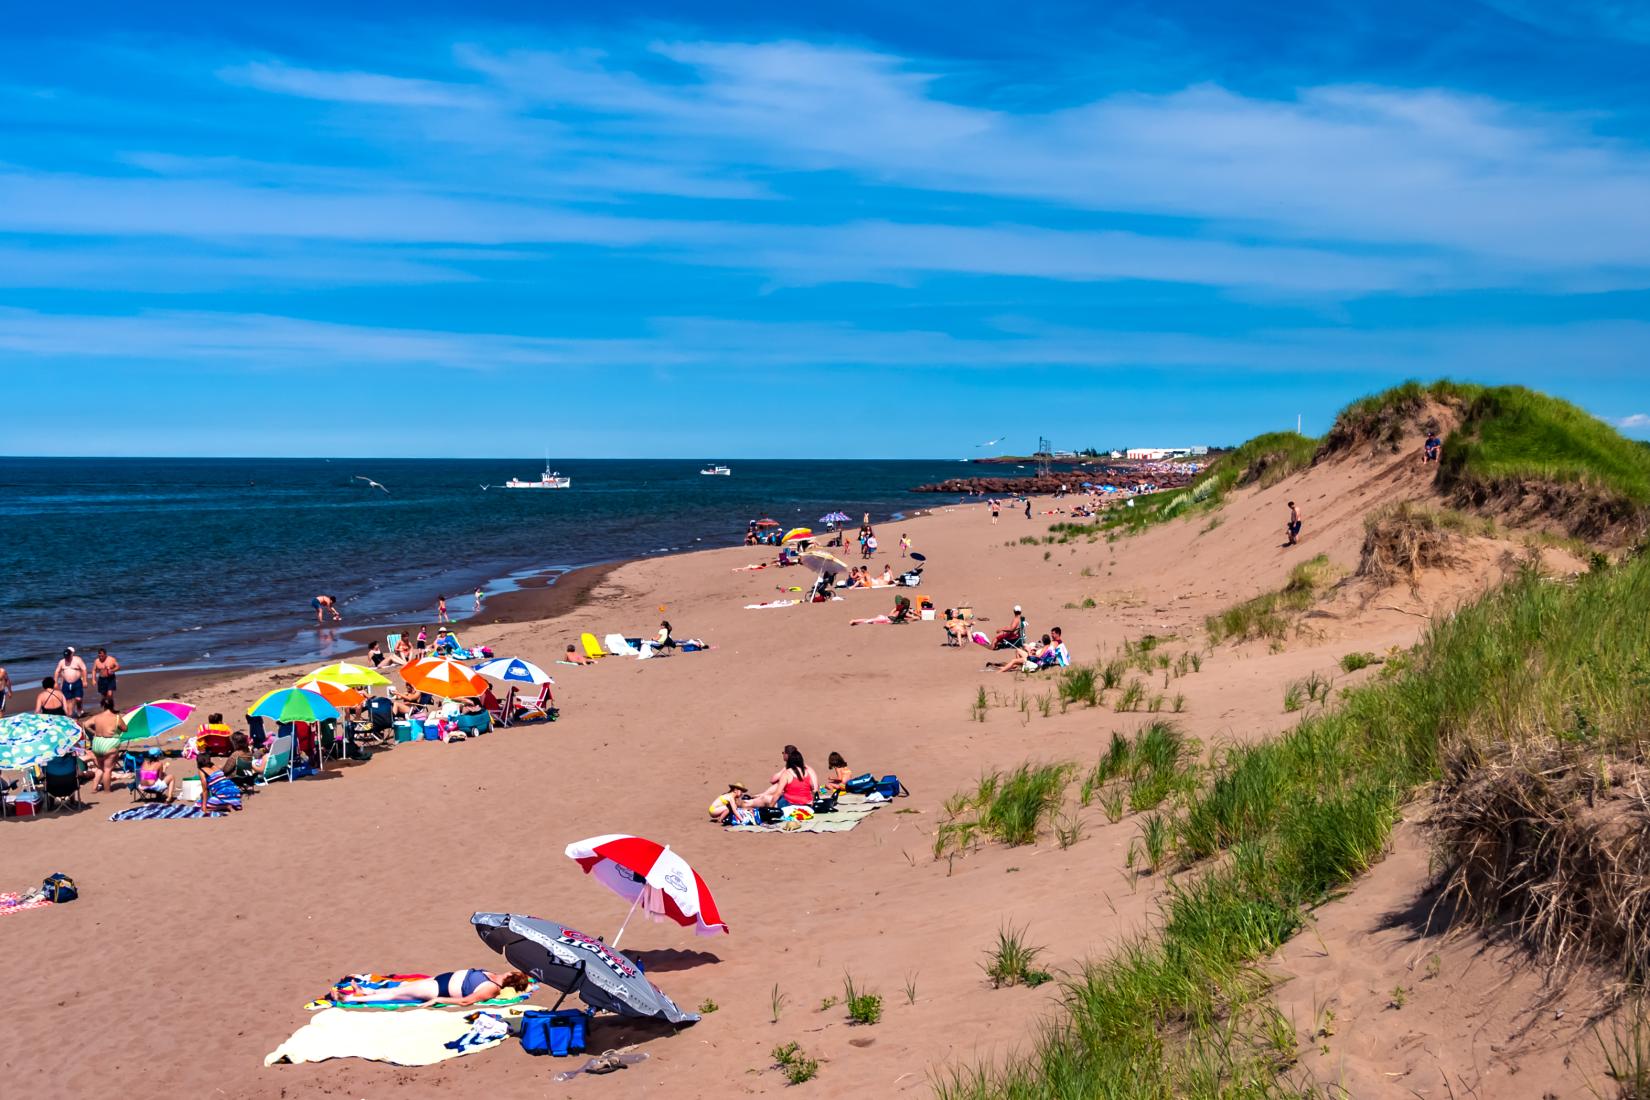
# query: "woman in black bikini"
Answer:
x=50 y=700
x=455 y=987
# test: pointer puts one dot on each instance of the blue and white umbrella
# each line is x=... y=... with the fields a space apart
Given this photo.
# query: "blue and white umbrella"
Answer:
x=30 y=739
x=513 y=670
x=835 y=517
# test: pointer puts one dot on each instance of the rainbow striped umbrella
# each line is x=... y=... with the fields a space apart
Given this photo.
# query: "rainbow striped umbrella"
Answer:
x=796 y=534
x=342 y=672
x=293 y=705
x=154 y=719
x=30 y=739
x=444 y=677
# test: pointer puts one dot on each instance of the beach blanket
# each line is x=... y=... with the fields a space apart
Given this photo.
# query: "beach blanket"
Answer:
x=770 y=603
x=850 y=810
x=619 y=646
x=389 y=981
x=16 y=903
x=417 y=1037
x=160 y=811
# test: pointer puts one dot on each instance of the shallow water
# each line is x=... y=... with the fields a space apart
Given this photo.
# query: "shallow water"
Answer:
x=184 y=562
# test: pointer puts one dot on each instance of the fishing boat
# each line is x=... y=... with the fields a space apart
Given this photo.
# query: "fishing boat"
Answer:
x=550 y=479
x=716 y=471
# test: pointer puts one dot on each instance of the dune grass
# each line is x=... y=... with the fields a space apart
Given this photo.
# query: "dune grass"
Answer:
x=1533 y=677
x=1271 y=614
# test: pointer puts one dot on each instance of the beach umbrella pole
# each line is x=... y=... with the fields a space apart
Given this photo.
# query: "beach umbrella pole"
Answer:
x=617 y=936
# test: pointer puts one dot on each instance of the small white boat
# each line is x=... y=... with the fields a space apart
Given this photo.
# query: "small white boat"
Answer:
x=716 y=471
x=550 y=479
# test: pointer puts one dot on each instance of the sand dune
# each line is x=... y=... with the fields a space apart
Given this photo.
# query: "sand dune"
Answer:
x=220 y=931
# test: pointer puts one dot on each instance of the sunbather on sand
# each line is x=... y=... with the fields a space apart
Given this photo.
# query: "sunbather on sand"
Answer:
x=574 y=657
x=793 y=785
x=455 y=987
x=956 y=629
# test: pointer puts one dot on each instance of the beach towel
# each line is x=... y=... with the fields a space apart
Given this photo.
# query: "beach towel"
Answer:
x=417 y=1037
x=390 y=981
x=160 y=811
x=617 y=646
x=770 y=603
x=16 y=903
x=850 y=810
x=979 y=638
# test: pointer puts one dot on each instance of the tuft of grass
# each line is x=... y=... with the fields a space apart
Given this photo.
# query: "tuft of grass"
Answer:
x=1627 y=1052
x=1078 y=684
x=795 y=1065
x=1011 y=808
x=1352 y=662
x=1179 y=703
x=977 y=709
x=707 y=1006
x=1013 y=961
x=1270 y=614
x=1068 y=830
x=1293 y=697
x=1133 y=695
x=911 y=988
x=864 y=1007
x=776 y=1003
x=1111 y=673
x=1152 y=845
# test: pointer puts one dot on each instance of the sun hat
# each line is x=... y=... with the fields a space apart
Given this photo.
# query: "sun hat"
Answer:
x=738 y=787
x=154 y=754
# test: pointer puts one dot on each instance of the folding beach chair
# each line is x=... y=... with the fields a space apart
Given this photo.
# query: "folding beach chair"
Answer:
x=592 y=648
x=542 y=709
x=278 y=763
x=60 y=783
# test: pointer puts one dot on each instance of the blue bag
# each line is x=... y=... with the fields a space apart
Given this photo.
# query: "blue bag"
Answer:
x=558 y=1034
x=59 y=887
x=891 y=788
x=861 y=784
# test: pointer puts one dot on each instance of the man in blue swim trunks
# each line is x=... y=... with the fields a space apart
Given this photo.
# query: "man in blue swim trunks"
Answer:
x=70 y=676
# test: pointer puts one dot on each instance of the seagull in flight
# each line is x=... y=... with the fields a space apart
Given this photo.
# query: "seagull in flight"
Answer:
x=991 y=442
x=369 y=481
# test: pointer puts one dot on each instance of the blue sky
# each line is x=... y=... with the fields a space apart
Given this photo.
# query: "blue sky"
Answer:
x=848 y=230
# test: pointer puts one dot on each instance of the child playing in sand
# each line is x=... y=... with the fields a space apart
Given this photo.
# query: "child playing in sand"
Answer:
x=724 y=804
x=904 y=545
x=837 y=778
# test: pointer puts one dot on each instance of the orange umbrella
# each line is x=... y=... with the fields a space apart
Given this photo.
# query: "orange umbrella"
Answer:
x=339 y=695
x=444 y=677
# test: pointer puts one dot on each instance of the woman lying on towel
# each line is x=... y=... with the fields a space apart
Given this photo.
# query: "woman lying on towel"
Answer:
x=455 y=987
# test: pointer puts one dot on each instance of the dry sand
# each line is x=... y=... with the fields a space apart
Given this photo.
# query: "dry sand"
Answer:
x=196 y=943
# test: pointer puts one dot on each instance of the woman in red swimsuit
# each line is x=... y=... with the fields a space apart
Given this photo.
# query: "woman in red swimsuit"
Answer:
x=793 y=785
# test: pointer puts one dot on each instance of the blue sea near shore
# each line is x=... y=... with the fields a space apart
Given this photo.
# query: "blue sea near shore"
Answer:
x=182 y=563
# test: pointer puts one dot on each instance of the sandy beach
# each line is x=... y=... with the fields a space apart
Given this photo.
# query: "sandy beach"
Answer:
x=221 y=930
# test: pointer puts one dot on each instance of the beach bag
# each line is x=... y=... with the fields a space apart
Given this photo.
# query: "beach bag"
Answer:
x=59 y=888
x=825 y=802
x=770 y=815
x=558 y=1033
x=861 y=784
x=890 y=787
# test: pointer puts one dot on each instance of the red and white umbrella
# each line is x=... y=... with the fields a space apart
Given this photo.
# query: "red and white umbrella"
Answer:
x=650 y=876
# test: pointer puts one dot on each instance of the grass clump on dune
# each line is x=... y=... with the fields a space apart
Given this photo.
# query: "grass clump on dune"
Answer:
x=1010 y=807
x=1525 y=450
x=1528 y=709
x=1270 y=614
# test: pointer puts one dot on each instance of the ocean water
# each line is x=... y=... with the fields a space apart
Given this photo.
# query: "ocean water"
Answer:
x=212 y=562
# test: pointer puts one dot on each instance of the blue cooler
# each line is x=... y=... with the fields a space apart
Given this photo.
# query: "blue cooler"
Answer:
x=404 y=732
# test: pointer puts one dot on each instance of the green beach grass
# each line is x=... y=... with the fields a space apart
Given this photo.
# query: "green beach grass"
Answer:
x=1534 y=676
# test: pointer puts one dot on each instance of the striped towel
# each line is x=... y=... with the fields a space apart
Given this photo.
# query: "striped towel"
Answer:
x=157 y=811
x=14 y=903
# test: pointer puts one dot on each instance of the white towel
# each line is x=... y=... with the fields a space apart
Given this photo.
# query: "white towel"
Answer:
x=409 y=1037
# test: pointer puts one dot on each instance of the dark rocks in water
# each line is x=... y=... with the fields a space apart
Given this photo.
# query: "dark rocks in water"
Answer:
x=1042 y=485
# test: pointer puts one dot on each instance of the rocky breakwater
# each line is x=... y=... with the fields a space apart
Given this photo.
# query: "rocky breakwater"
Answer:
x=1042 y=484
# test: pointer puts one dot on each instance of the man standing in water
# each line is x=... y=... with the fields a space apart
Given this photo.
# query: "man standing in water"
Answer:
x=104 y=669
x=478 y=599
x=324 y=603
x=70 y=677
x=1294 y=524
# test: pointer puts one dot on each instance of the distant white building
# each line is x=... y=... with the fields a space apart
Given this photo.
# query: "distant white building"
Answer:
x=1158 y=454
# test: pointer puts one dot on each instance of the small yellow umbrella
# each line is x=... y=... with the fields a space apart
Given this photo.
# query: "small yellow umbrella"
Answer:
x=348 y=674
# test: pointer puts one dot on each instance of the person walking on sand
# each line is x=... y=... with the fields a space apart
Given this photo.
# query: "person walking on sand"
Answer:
x=904 y=544
x=323 y=604
x=70 y=679
x=1028 y=507
x=1294 y=527
x=441 y=610
x=995 y=508
x=103 y=670
x=478 y=599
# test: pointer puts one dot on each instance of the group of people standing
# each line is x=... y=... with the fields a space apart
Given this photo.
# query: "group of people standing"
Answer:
x=64 y=691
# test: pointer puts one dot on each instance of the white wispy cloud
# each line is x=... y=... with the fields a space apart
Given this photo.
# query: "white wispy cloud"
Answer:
x=1635 y=420
x=715 y=346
